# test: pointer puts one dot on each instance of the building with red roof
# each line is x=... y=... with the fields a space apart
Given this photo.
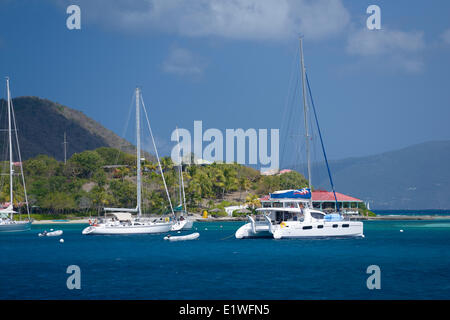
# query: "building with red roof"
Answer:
x=325 y=201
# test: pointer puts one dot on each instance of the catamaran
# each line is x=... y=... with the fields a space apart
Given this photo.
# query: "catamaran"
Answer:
x=121 y=220
x=182 y=221
x=7 y=222
x=290 y=213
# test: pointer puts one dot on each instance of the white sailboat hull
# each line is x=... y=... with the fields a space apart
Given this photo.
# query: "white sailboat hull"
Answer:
x=128 y=229
x=182 y=225
x=15 y=226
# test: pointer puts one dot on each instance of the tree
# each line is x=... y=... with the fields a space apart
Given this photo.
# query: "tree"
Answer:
x=88 y=162
x=252 y=201
x=244 y=185
x=59 y=202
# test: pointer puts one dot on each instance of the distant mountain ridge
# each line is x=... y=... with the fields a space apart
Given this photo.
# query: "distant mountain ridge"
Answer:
x=415 y=177
x=41 y=124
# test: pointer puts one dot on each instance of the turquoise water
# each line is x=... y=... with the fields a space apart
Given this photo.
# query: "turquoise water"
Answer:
x=415 y=264
x=430 y=212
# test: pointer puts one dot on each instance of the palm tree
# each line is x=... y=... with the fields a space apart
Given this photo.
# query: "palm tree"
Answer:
x=244 y=185
x=252 y=201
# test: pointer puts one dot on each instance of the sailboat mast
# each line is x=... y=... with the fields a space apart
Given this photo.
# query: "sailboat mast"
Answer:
x=138 y=151
x=181 y=175
x=11 y=168
x=179 y=185
x=305 y=111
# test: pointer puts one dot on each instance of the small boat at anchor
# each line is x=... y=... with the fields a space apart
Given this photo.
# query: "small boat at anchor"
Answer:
x=191 y=236
x=52 y=233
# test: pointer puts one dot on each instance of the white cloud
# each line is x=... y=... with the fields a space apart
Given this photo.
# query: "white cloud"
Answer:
x=183 y=62
x=376 y=42
x=392 y=47
x=445 y=36
x=235 y=19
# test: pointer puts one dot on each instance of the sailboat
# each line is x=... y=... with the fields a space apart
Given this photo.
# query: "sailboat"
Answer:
x=7 y=222
x=290 y=213
x=121 y=220
x=182 y=221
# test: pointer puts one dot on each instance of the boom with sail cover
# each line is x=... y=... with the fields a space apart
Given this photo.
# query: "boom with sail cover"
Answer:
x=304 y=193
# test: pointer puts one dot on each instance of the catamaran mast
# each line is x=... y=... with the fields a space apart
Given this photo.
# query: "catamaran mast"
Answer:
x=305 y=111
x=138 y=151
x=11 y=168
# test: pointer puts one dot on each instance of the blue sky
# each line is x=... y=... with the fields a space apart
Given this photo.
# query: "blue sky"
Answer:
x=228 y=63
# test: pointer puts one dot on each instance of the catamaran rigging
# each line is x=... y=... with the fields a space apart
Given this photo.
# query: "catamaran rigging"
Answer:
x=290 y=213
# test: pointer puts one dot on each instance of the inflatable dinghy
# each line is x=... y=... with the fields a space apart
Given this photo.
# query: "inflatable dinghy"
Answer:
x=51 y=234
x=191 y=236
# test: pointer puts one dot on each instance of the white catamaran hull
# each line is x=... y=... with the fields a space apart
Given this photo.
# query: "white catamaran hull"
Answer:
x=297 y=229
x=126 y=229
x=338 y=229
x=15 y=226
x=247 y=232
x=253 y=229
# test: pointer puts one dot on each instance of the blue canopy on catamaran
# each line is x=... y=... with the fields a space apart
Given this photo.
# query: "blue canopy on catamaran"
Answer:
x=304 y=193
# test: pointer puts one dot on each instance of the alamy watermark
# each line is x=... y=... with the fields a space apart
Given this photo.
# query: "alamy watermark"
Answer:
x=74 y=20
x=374 y=280
x=374 y=20
x=244 y=147
x=74 y=280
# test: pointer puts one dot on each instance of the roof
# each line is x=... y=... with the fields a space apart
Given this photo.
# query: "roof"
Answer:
x=269 y=172
x=193 y=159
x=321 y=195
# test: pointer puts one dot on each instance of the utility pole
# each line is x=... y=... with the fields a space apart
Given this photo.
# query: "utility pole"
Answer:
x=65 y=148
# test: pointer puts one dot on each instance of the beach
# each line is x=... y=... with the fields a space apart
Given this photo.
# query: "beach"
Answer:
x=199 y=218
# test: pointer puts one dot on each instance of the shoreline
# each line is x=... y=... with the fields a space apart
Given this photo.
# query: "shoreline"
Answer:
x=234 y=219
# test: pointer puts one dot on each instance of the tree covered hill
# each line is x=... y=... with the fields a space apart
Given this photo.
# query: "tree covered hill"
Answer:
x=42 y=123
x=87 y=183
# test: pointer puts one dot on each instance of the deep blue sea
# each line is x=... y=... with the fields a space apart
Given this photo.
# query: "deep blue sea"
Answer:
x=414 y=264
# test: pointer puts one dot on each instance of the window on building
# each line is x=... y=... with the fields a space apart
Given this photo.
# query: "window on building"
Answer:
x=277 y=204
x=290 y=205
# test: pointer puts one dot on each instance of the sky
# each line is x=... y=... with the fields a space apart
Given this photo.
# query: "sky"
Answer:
x=229 y=64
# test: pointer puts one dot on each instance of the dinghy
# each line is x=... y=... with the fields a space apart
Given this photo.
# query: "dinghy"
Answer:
x=51 y=233
x=191 y=236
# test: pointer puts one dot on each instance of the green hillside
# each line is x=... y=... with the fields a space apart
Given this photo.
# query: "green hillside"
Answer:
x=416 y=177
x=87 y=183
x=42 y=124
